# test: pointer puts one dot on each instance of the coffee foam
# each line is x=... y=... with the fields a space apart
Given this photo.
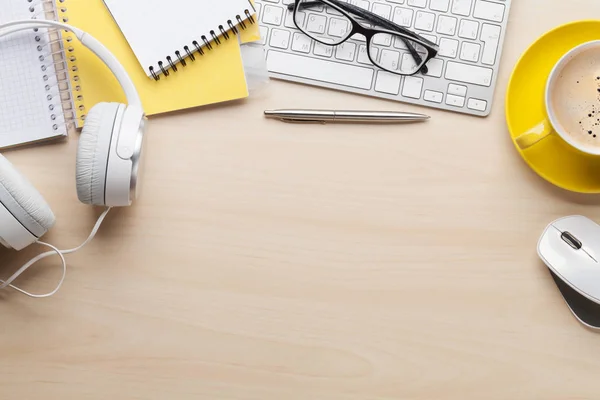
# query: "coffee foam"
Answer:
x=575 y=98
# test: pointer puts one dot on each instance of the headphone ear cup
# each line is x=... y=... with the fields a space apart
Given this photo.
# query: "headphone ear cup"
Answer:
x=93 y=153
x=24 y=202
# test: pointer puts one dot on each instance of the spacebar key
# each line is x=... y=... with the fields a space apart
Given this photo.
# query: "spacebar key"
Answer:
x=319 y=70
x=469 y=73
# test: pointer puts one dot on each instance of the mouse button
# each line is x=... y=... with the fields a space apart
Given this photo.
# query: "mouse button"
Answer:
x=592 y=253
x=554 y=251
x=571 y=240
x=580 y=274
x=584 y=278
x=584 y=229
x=570 y=221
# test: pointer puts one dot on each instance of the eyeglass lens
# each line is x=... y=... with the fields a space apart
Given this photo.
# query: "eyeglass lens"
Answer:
x=322 y=22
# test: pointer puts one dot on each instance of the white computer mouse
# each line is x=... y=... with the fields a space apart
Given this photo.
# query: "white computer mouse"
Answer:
x=570 y=247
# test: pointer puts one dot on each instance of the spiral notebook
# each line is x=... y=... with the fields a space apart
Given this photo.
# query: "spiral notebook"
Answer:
x=219 y=77
x=33 y=82
x=166 y=36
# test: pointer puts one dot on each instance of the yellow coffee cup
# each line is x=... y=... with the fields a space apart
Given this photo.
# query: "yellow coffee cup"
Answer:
x=551 y=125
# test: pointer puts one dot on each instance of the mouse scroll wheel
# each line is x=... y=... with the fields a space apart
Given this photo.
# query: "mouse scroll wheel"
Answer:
x=571 y=240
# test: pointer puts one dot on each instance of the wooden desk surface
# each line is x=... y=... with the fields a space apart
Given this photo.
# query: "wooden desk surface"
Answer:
x=273 y=261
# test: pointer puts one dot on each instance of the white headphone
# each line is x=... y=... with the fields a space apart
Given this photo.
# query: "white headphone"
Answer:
x=108 y=157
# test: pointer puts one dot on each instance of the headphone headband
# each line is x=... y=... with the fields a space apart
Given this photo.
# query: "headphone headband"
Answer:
x=133 y=99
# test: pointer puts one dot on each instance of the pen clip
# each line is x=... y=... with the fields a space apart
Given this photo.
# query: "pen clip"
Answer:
x=302 y=121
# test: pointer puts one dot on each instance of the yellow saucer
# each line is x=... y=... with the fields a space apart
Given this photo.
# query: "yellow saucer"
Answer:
x=553 y=159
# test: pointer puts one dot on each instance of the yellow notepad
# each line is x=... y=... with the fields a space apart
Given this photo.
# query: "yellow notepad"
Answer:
x=215 y=77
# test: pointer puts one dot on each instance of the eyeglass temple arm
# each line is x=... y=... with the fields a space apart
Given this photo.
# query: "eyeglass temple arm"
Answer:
x=372 y=17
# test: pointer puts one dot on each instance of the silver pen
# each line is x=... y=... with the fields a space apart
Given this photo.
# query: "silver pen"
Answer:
x=324 y=116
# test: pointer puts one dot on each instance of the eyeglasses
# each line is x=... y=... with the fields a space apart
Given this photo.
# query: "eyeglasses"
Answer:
x=394 y=48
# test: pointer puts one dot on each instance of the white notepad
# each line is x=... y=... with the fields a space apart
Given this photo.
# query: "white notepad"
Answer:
x=162 y=33
x=30 y=93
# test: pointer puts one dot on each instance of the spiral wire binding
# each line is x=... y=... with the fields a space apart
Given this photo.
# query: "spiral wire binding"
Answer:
x=54 y=64
x=190 y=52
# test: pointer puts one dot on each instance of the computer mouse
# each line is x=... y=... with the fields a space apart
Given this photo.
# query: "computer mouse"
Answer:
x=570 y=247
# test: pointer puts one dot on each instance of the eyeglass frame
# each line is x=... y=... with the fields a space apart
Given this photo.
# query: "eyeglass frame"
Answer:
x=391 y=29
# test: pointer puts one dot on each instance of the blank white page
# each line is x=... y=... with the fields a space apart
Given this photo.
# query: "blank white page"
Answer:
x=26 y=98
x=156 y=29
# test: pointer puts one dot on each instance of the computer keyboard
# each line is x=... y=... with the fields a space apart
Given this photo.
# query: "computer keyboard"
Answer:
x=462 y=78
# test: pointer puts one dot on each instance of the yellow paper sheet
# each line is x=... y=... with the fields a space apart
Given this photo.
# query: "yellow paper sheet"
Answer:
x=215 y=77
x=252 y=33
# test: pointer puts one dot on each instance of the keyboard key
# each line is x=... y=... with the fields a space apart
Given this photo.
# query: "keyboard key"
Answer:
x=338 y=27
x=345 y=51
x=316 y=23
x=323 y=50
x=468 y=29
x=320 y=70
x=462 y=7
x=359 y=3
x=403 y=16
x=477 y=104
x=448 y=47
x=301 y=42
x=433 y=96
x=390 y=60
x=289 y=20
x=431 y=38
x=363 y=56
x=469 y=73
x=455 y=101
x=264 y=32
x=425 y=21
x=470 y=51
x=280 y=39
x=490 y=36
x=400 y=43
x=383 y=10
x=382 y=39
x=435 y=67
x=457 y=90
x=446 y=25
x=489 y=11
x=417 y=3
x=440 y=5
x=300 y=18
x=388 y=83
x=413 y=85
x=258 y=7
x=408 y=64
x=272 y=15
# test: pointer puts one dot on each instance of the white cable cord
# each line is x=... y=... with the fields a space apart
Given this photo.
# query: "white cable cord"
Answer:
x=54 y=251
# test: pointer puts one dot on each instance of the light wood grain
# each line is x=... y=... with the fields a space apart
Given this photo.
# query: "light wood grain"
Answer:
x=273 y=261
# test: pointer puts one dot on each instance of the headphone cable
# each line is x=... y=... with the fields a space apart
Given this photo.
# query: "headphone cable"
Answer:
x=53 y=251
